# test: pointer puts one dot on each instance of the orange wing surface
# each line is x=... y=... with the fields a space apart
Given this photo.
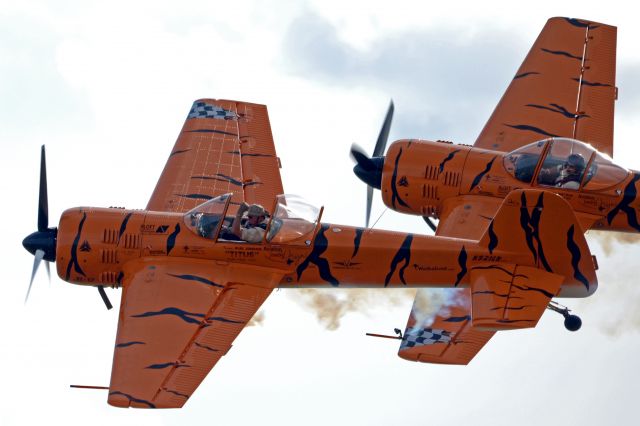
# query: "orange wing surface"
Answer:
x=439 y=328
x=564 y=87
x=224 y=147
x=176 y=321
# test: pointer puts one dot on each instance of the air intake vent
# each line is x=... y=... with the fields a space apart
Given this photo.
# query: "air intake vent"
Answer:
x=110 y=236
x=431 y=173
x=131 y=241
x=109 y=277
x=109 y=256
x=451 y=178
x=430 y=192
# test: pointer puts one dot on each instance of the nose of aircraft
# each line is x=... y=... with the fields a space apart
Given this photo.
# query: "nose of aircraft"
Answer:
x=42 y=240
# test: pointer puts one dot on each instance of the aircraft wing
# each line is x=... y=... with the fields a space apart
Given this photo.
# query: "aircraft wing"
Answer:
x=176 y=321
x=565 y=87
x=224 y=146
x=439 y=328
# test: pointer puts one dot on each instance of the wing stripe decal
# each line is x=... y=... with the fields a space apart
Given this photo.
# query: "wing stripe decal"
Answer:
x=180 y=151
x=183 y=315
x=561 y=53
x=210 y=349
x=591 y=83
x=532 y=129
x=222 y=319
x=558 y=109
x=127 y=344
x=133 y=399
x=177 y=393
x=202 y=280
x=222 y=132
x=526 y=74
x=166 y=365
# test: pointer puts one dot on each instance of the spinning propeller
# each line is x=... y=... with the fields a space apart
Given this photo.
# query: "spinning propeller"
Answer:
x=42 y=243
x=369 y=170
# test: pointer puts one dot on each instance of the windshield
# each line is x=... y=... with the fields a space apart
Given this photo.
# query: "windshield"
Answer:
x=294 y=221
x=521 y=163
x=205 y=220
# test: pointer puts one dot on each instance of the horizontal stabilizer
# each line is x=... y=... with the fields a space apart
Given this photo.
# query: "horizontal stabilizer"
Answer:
x=439 y=328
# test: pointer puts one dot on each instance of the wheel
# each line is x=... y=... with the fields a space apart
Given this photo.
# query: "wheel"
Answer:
x=572 y=322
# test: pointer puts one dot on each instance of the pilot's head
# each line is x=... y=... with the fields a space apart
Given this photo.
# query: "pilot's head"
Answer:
x=256 y=214
x=574 y=164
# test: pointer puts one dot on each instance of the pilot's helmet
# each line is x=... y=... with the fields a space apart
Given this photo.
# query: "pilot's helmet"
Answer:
x=575 y=160
x=256 y=210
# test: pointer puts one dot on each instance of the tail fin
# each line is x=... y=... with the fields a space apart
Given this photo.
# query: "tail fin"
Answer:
x=542 y=226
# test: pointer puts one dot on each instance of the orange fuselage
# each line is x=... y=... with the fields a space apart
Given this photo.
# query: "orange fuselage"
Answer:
x=423 y=177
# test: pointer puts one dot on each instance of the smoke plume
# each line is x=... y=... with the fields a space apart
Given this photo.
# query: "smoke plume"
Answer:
x=430 y=302
x=331 y=305
x=607 y=240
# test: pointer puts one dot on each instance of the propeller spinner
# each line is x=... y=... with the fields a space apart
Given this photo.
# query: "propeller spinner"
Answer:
x=369 y=170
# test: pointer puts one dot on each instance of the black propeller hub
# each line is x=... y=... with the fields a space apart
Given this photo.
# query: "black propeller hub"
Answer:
x=369 y=170
x=43 y=240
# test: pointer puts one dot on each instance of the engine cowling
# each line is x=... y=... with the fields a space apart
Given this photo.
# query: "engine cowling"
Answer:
x=419 y=175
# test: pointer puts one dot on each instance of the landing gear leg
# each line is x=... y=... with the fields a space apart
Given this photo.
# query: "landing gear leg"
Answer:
x=571 y=322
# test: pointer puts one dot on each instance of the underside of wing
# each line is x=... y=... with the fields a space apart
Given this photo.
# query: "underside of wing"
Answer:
x=467 y=216
x=565 y=87
x=439 y=328
x=224 y=147
x=176 y=321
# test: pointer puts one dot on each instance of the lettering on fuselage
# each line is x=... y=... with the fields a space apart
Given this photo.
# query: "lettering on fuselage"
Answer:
x=242 y=252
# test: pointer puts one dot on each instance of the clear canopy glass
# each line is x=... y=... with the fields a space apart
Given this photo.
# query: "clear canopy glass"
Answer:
x=294 y=220
x=567 y=164
x=207 y=218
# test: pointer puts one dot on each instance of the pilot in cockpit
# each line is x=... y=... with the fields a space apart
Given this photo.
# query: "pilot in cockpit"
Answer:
x=253 y=228
x=571 y=172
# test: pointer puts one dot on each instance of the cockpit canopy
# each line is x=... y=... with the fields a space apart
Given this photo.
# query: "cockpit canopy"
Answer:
x=293 y=222
x=564 y=163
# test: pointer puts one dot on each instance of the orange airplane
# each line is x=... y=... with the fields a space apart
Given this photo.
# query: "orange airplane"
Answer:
x=217 y=235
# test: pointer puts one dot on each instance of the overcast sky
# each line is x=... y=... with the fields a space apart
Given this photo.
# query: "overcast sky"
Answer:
x=107 y=86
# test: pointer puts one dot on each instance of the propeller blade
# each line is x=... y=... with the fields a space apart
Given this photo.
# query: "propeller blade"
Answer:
x=361 y=157
x=46 y=265
x=369 y=201
x=43 y=203
x=36 y=263
x=105 y=299
x=381 y=144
